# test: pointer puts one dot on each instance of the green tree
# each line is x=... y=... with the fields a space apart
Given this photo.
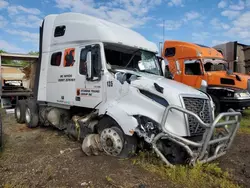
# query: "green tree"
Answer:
x=2 y=51
x=17 y=63
x=6 y=62
x=33 y=53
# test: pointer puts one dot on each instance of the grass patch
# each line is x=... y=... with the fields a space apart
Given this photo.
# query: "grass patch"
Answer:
x=245 y=122
x=202 y=175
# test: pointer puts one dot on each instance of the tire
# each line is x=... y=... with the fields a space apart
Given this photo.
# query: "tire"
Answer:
x=129 y=143
x=217 y=104
x=31 y=114
x=20 y=111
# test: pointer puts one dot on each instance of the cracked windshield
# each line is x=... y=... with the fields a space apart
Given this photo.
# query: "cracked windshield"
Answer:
x=215 y=65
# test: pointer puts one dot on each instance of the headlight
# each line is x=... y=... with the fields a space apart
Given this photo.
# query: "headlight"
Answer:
x=239 y=95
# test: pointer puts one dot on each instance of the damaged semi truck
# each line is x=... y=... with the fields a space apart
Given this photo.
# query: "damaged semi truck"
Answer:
x=96 y=77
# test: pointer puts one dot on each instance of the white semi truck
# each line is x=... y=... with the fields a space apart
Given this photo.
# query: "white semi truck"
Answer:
x=107 y=80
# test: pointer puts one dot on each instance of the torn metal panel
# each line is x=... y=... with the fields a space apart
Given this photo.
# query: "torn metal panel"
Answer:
x=91 y=145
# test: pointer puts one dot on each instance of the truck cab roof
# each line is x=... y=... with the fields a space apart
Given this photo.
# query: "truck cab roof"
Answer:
x=180 y=49
x=68 y=28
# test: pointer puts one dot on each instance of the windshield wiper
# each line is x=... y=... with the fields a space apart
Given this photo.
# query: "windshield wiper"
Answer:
x=133 y=55
x=148 y=72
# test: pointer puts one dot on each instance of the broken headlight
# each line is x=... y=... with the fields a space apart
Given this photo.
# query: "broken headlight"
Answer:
x=147 y=128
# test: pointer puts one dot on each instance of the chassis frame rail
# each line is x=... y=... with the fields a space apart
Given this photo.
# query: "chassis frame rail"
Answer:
x=201 y=152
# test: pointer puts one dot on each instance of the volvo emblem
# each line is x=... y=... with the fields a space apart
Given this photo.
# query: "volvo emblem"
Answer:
x=202 y=113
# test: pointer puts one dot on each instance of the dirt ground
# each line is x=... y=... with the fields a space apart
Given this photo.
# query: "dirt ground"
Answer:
x=45 y=157
x=237 y=160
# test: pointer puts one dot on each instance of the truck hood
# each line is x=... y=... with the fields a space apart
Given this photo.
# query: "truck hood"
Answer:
x=214 y=78
x=172 y=89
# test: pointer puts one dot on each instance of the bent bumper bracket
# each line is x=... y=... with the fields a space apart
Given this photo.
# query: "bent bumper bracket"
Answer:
x=200 y=151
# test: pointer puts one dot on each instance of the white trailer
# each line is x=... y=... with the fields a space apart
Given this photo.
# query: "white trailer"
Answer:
x=107 y=80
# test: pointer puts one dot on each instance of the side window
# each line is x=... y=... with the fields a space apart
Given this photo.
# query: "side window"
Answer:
x=59 y=31
x=220 y=51
x=56 y=59
x=170 y=52
x=83 y=61
x=96 y=61
x=69 y=57
x=192 y=67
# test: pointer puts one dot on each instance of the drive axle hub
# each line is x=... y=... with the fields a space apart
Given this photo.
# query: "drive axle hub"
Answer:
x=112 y=141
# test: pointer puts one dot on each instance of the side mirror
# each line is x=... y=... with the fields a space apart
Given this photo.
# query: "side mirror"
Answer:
x=229 y=72
x=168 y=74
x=89 y=66
x=120 y=77
x=237 y=59
x=203 y=86
x=178 y=68
x=163 y=67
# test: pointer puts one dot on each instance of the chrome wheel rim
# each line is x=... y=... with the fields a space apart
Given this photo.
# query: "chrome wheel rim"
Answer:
x=18 y=113
x=111 y=141
x=27 y=115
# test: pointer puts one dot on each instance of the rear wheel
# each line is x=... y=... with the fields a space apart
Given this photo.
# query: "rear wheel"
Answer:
x=113 y=141
x=31 y=114
x=20 y=111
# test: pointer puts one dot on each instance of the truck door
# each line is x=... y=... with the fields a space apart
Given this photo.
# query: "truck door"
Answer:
x=89 y=91
x=61 y=76
x=193 y=73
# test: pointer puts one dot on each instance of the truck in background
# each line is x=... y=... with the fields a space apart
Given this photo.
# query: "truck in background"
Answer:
x=200 y=66
x=98 y=78
x=13 y=84
x=237 y=54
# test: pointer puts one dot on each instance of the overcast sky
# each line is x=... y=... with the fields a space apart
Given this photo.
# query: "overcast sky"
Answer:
x=207 y=22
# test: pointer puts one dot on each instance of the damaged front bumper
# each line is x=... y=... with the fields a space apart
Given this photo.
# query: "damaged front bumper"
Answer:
x=201 y=151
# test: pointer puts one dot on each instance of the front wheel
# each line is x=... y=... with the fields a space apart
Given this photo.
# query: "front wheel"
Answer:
x=113 y=141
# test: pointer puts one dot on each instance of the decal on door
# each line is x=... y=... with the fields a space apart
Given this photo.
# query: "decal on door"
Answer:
x=66 y=78
x=69 y=57
x=88 y=92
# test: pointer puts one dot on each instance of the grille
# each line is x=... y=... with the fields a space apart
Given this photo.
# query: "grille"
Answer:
x=200 y=107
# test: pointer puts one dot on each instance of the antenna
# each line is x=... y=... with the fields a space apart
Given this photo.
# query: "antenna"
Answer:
x=163 y=32
x=163 y=37
x=160 y=48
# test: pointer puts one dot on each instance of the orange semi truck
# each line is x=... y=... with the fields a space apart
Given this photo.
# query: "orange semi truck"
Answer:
x=204 y=67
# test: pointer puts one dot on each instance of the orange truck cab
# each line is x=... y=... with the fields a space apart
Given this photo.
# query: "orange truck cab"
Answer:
x=204 y=67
